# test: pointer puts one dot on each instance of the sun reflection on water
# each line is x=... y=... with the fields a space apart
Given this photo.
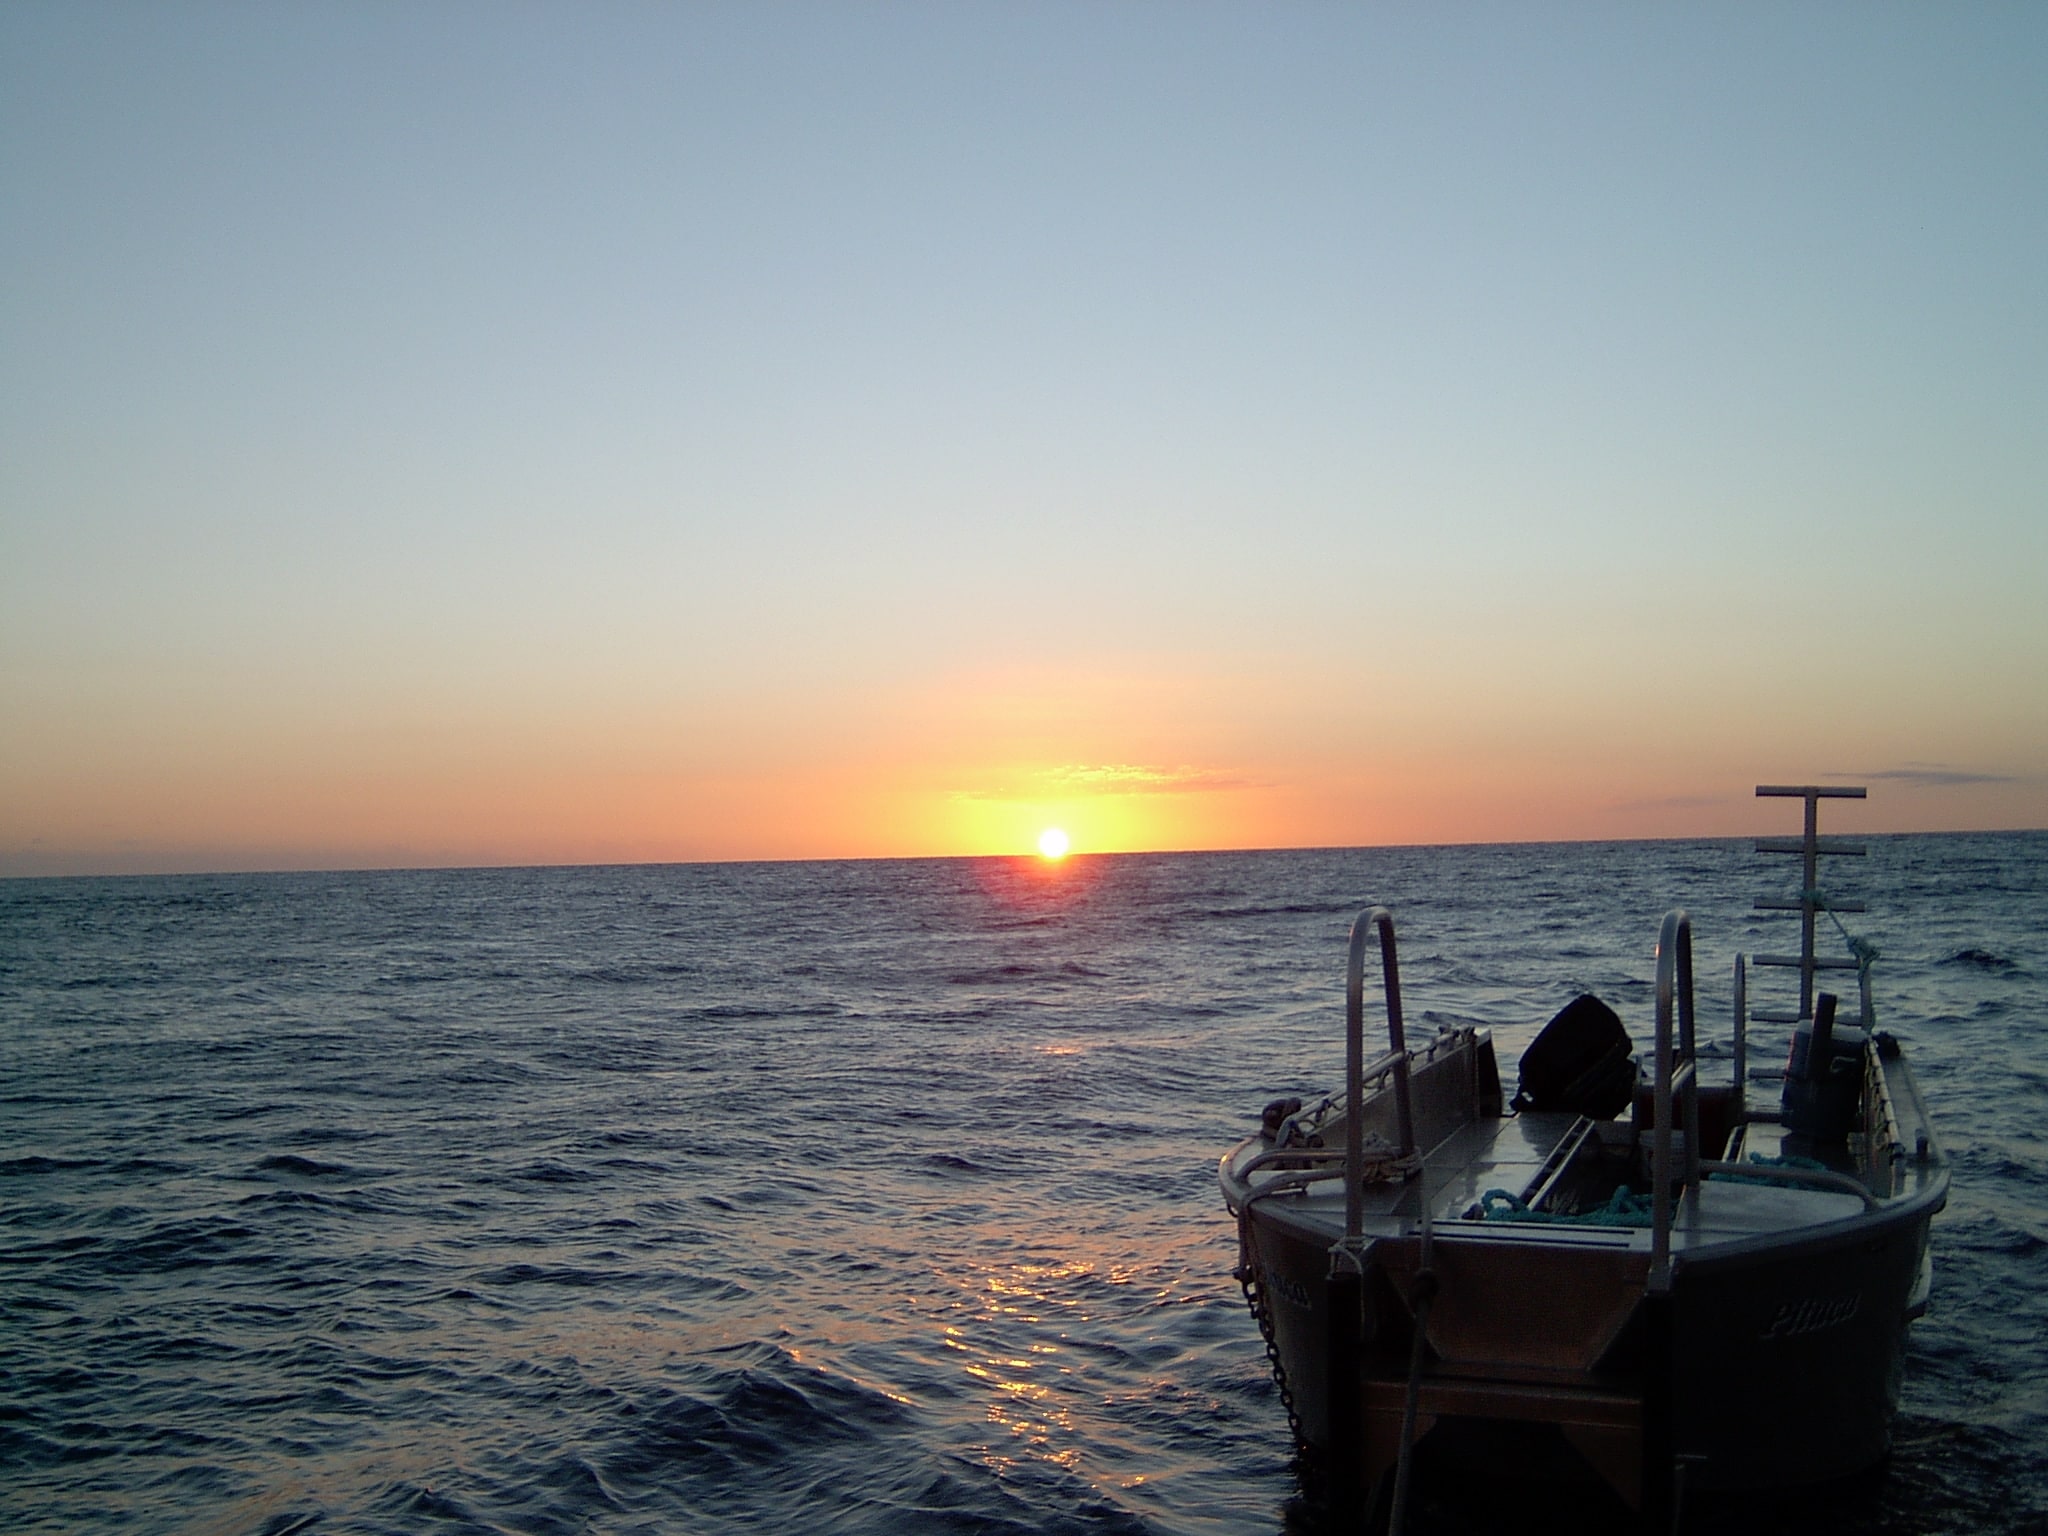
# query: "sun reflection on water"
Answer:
x=1019 y=1332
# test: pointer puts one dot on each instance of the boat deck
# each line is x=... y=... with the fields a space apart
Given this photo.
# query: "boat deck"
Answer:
x=1523 y=1154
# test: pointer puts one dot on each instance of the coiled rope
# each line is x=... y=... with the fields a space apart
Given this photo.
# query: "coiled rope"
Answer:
x=1624 y=1208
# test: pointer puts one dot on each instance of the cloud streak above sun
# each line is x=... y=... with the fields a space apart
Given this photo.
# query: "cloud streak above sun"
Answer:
x=1084 y=779
x=1928 y=776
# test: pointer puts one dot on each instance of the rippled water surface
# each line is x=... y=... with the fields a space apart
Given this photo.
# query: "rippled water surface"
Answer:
x=837 y=1197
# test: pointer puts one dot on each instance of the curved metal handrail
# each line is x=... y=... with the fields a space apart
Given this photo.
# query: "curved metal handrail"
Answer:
x=1275 y=1155
x=1674 y=986
x=1380 y=920
x=1741 y=1111
x=1812 y=1178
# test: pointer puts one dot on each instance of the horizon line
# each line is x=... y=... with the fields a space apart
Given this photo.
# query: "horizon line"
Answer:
x=1018 y=856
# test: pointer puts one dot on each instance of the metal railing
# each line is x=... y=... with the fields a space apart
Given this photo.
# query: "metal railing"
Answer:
x=1677 y=1074
x=1741 y=1041
x=1678 y=1079
x=1812 y=1178
x=1374 y=920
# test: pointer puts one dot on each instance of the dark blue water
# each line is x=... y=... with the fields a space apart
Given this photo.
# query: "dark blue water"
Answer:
x=845 y=1197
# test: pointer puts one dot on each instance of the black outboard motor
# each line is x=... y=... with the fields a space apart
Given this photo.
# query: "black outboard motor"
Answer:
x=1824 y=1077
x=1583 y=1063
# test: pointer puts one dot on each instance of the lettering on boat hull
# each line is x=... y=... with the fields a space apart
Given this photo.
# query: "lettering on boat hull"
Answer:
x=1289 y=1290
x=1811 y=1314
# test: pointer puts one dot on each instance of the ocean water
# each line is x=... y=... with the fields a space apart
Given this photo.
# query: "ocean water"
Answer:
x=838 y=1197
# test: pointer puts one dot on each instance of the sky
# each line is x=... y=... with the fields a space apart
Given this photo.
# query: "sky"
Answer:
x=510 y=433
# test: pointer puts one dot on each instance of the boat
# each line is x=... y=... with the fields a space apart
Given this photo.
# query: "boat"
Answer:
x=1627 y=1273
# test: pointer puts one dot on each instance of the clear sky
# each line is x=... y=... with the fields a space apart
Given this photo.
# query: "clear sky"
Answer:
x=507 y=433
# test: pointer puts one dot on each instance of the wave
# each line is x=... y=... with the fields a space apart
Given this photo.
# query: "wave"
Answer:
x=301 y=1167
x=1286 y=909
x=1978 y=959
x=35 y=1165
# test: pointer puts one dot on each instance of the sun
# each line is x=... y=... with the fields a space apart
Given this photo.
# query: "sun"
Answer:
x=1052 y=842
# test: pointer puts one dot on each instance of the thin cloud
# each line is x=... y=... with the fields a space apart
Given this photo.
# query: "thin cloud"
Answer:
x=1138 y=779
x=1928 y=776
x=1113 y=779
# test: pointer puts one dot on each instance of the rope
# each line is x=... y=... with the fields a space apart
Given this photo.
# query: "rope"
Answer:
x=1420 y=1299
x=1765 y=1160
x=1864 y=951
x=1624 y=1208
x=1411 y=1401
x=1385 y=1163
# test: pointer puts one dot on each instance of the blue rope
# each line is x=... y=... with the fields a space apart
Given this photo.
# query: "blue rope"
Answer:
x=1764 y=1160
x=1624 y=1208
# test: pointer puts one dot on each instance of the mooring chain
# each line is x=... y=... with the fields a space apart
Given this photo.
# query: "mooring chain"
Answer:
x=1255 y=1298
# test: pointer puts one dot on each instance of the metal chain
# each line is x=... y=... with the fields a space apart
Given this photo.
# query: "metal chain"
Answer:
x=1255 y=1298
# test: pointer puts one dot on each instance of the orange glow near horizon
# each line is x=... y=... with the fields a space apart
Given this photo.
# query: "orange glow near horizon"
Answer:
x=279 y=815
x=981 y=766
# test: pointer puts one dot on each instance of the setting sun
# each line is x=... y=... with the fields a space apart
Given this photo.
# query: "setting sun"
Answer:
x=1052 y=842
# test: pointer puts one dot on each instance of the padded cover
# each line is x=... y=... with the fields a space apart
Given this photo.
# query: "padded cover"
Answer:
x=1583 y=1062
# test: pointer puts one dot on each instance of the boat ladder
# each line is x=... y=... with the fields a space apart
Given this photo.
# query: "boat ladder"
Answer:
x=1810 y=901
